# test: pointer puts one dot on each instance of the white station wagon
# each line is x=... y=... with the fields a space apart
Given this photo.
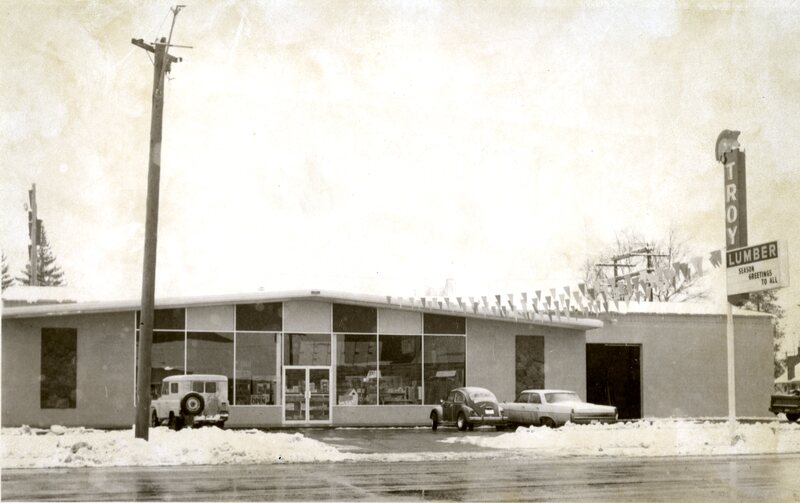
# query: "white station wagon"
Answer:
x=195 y=399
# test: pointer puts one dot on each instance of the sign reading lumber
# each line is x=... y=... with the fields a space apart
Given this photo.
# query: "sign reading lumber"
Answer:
x=759 y=267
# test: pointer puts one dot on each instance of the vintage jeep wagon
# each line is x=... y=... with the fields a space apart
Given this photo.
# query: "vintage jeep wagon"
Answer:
x=197 y=399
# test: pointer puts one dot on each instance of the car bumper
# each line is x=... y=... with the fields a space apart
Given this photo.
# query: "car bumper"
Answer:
x=493 y=420
x=593 y=419
x=216 y=418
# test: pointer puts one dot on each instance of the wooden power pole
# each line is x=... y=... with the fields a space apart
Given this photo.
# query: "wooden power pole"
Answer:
x=33 y=229
x=162 y=63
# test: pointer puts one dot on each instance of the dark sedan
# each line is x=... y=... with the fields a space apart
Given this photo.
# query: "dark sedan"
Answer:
x=468 y=407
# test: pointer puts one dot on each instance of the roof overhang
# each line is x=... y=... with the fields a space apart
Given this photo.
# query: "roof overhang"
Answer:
x=77 y=308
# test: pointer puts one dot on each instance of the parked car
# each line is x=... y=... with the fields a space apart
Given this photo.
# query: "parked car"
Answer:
x=199 y=399
x=552 y=407
x=788 y=403
x=468 y=407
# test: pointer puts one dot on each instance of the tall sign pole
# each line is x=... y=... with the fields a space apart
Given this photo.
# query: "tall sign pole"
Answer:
x=33 y=230
x=162 y=63
x=728 y=152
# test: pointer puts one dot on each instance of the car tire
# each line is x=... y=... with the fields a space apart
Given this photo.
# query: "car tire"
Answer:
x=220 y=425
x=172 y=422
x=192 y=404
x=548 y=423
x=154 y=421
x=461 y=422
x=793 y=417
x=434 y=421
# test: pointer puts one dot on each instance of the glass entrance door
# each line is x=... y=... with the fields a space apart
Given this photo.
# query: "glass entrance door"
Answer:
x=306 y=395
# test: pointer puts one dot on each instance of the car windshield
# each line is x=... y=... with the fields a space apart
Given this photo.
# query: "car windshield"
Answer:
x=561 y=397
x=482 y=395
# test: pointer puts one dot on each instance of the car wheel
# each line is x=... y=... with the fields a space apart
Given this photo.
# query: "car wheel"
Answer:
x=220 y=425
x=192 y=403
x=154 y=421
x=793 y=417
x=547 y=422
x=434 y=421
x=461 y=421
x=172 y=422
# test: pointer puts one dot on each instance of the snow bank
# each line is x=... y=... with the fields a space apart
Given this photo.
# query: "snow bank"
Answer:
x=30 y=448
x=647 y=438
x=27 y=447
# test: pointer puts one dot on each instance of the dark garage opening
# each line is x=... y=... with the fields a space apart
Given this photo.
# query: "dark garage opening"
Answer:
x=613 y=377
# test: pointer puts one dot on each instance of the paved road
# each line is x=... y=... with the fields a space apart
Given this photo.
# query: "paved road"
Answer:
x=761 y=478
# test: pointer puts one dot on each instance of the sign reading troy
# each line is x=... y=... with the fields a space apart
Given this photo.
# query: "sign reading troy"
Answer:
x=735 y=199
x=756 y=268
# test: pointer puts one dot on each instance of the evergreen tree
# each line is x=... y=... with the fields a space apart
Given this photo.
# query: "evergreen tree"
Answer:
x=49 y=273
x=7 y=279
x=767 y=302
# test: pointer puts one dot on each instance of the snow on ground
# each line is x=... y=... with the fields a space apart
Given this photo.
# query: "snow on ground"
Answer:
x=27 y=447
x=649 y=438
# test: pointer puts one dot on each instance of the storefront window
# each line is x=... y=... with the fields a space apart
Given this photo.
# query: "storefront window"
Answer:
x=357 y=369
x=59 y=370
x=445 y=364
x=264 y=316
x=210 y=353
x=166 y=358
x=306 y=349
x=358 y=319
x=444 y=324
x=401 y=369
x=256 y=375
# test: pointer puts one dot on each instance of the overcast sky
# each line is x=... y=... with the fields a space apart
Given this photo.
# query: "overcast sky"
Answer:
x=382 y=147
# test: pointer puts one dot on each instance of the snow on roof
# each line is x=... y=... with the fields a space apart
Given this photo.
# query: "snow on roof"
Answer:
x=16 y=295
x=315 y=295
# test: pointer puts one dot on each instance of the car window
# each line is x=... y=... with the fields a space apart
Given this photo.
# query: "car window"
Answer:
x=459 y=398
x=452 y=397
x=482 y=395
x=523 y=398
x=211 y=387
x=197 y=386
x=561 y=397
x=165 y=388
x=534 y=398
x=173 y=387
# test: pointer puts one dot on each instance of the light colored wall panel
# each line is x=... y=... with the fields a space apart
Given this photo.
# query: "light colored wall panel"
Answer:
x=306 y=316
x=396 y=322
x=210 y=318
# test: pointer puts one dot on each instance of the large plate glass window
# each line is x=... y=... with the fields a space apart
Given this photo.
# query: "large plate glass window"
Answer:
x=357 y=369
x=306 y=349
x=445 y=364
x=256 y=374
x=401 y=369
x=210 y=353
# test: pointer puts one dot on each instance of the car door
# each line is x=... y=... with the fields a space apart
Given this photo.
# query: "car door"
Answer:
x=534 y=407
x=447 y=407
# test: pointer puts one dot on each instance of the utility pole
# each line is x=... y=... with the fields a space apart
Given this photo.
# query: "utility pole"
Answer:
x=33 y=229
x=162 y=63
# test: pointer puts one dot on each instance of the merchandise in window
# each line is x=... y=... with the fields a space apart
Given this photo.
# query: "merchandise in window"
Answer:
x=400 y=369
x=256 y=374
x=357 y=369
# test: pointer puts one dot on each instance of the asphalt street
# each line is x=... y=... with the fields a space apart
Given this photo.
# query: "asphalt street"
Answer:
x=763 y=478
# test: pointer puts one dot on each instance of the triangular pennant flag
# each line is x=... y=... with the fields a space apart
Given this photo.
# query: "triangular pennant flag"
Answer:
x=715 y=258
x=497 y=300
x=566 y=289
x=697 y=263
x=539 y=294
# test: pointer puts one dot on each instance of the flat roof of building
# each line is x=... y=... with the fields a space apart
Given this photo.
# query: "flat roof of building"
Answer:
x=450 y=306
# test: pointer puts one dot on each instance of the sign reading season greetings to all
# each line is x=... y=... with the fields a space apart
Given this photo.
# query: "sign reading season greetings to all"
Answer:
x=756 y=268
